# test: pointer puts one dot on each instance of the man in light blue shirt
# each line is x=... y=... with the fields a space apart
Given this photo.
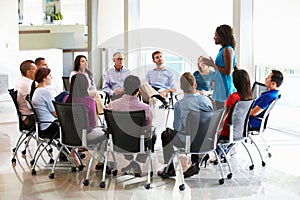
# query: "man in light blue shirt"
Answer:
x=160 y=78
x=192 y=101
x=114 y=77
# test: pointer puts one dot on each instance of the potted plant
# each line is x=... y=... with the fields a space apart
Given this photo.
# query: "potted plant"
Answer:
x=57 y=17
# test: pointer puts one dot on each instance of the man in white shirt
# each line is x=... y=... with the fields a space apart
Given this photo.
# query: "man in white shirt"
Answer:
x=23 y=86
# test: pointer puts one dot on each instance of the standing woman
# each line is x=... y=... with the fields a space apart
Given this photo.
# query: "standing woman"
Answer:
x=80 y=66
x=41 y=97
x=224 y=65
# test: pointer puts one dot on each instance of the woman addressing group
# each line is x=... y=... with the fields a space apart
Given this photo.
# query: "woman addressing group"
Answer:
x=224 y=65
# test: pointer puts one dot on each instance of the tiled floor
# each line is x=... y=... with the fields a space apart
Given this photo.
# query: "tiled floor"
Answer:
x=279 y=179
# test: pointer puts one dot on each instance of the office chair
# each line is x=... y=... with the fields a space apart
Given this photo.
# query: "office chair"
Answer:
x=258 y=88
x=237 y=130
x=27 y=130
x=201 y=138
x=66 y=82
x=260 y=130
x=128 y=136
x=73 y=123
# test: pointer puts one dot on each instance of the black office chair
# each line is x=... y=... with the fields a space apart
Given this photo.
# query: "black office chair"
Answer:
x=258 y=88
x=73 y=123
x=201 y=138
x=66 y=82
x=128 y=136
x=27 y=130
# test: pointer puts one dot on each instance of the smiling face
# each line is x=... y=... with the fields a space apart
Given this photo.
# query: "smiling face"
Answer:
x=217 y=38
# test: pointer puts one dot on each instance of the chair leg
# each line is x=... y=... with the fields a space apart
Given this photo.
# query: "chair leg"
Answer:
x=147 y=186
x=262 y=159
x=51 y=176
x=221 y=181
x=86 y=182
x=229 y=176
x=182 y=185
x=102 y=184
x=251 y=167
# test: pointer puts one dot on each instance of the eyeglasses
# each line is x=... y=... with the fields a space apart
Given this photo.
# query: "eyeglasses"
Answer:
x=119 y=58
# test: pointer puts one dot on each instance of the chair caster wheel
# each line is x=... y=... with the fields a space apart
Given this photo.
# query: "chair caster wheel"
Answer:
x=24 y=153
x=50 y=150
x=51 y=161
x=86 y=182
x=181 y=187
x=102 y=184
x=263 y=163
x=73 y=169
x=108 y=171
x=115 y=172
x=270 y=155
x=14 y=150
x=33 y=172
x=221 y=181
x=80 y=167
x=229 y=176
x=13 y=161
x=147 y=186
x=251 y=167
x=32 y=162
x=51 y=176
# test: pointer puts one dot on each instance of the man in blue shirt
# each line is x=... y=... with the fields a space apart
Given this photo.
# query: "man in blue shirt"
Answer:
x=160 y=78
x=192 y=100
x=273 y=81
x=114 y=77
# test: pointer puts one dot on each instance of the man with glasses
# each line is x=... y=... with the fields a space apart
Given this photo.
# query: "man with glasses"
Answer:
x=113 y=81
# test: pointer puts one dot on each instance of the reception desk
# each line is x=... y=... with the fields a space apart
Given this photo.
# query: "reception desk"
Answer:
x=52 y=36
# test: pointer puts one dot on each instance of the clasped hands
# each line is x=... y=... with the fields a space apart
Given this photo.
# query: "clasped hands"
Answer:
x=209 y=62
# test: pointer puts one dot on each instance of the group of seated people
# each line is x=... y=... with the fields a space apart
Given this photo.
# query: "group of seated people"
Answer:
x=124 y=88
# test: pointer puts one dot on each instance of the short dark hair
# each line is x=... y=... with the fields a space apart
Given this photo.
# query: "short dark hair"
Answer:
x=25 y=66
x=38 y=60
x=277 y=77
x=155 y=52
x=131 y=85
x=187 y=82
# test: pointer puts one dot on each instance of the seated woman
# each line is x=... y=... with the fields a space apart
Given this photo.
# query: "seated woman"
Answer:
x=204 y=77
x=79 y=94
x=80 y=66
x=41 y=98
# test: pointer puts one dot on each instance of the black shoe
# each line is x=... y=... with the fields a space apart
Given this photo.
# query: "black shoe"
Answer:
x=82 y=155
x=192 y=170
x=167 y=174
x=204 y=160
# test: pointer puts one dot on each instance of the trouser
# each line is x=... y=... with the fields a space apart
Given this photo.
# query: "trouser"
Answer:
x=169 y=139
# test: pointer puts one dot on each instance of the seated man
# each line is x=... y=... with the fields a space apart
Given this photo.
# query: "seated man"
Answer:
x=192 y=100
x=114 y=77
x=130 y=102
x=273 y=81
x=160 y=78
x=23 y=86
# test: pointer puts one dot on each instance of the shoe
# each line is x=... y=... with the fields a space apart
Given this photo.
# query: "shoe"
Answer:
x=132 y=169
x=165 y=104
x=167 y=174
x=204 y=159
x=82 y=155
x=192 y=170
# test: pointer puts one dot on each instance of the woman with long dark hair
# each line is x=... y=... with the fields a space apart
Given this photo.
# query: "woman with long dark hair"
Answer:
x=224 y=64
x=80 y=66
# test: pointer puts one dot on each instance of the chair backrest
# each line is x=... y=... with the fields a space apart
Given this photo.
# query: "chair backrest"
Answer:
x=258 y=88
x=239 y=120
x=202 y=128
x=66 y=82
x=266 y=115
x=14 y=94
x=126 y=129
x=73 y=123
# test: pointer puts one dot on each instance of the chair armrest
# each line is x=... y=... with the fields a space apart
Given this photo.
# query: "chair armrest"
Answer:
x=84 y=138
x=142 y=144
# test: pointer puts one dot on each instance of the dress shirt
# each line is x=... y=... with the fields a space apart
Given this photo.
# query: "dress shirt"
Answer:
x=114 y=79
x=23 y=86
x=189 y=102
x=162 y=79
x=131 y=103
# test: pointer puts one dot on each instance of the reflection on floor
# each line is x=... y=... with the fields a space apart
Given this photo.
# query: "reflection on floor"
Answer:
x=277 y=180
